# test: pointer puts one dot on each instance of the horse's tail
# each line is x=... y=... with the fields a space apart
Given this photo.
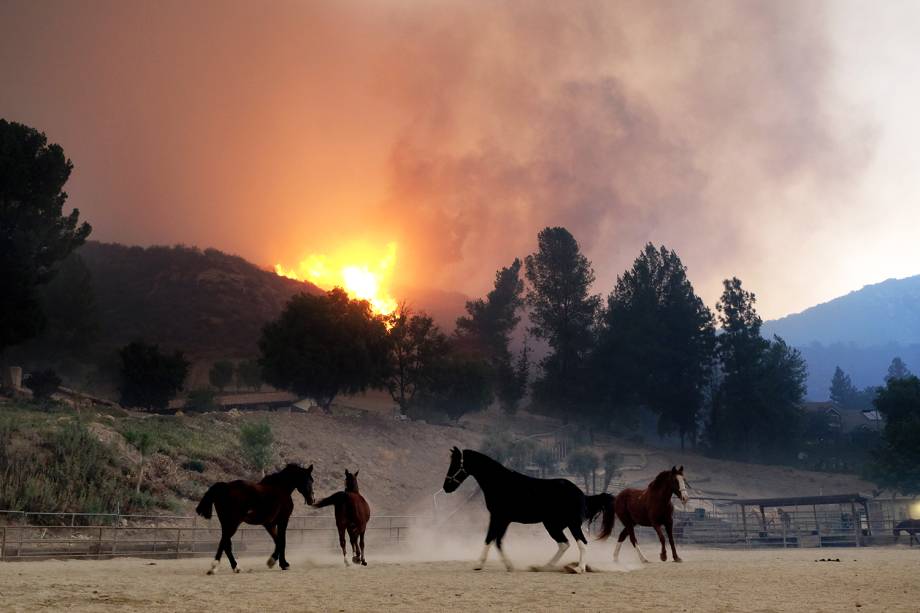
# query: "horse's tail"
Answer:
x=601 y=504
x=336 y=499
x=207 y=501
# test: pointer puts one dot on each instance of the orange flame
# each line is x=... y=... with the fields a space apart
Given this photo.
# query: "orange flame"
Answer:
x=363 y=274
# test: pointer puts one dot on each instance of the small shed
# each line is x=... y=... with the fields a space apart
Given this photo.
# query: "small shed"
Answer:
x=841 y=516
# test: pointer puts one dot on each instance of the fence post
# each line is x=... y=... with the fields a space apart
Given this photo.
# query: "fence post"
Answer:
x=2 y=543
x=178 y=541
x=814 y=510
x=99 y=545
x=115 y=533
x=857 y=523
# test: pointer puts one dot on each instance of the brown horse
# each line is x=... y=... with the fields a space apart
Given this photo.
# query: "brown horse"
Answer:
x=352 y=514
x=267 y=503
x=651 y=507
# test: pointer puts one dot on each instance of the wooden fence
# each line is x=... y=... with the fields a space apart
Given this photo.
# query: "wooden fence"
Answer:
x=107 y=536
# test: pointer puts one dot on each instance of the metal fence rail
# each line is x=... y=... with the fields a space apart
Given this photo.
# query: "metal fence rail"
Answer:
x=171 y=536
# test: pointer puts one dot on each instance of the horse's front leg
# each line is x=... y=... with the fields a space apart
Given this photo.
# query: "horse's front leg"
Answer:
x=664 y=551
x=281 y=543
x=272 y=532
x=670 y=528
x=496 y=529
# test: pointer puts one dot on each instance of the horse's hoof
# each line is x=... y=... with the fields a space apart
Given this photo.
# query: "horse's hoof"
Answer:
x=211 y=571
x=285 y=566
x=644 y=561
x=271 y=562
x=574 y=569
x=355 y=560
x=363 y=563
x=678 y=560
x=664 y=557
x=479 y=567
x=214 y=565
x=237 y=570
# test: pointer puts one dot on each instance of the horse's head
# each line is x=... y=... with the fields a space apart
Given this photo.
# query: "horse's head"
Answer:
x=679 y=484
x=456 y=472
x=351 y=481
x=303 y=480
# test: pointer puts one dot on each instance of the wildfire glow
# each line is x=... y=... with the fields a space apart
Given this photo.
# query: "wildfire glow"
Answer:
x=365 y=275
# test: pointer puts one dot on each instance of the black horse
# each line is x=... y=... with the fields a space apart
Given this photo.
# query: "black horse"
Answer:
x=267 y=503
x=512 y=497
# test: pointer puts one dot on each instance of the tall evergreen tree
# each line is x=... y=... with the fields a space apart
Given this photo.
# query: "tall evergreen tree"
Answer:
x=656 y=342
x=897 y=463
x=843 y=392
x=756 y=411
x=563 y=313
x=35 y=234
x=897 y=370
x=490 y=322
x=486 y=331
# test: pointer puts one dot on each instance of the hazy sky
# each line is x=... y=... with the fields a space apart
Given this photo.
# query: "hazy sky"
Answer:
x=771 y=140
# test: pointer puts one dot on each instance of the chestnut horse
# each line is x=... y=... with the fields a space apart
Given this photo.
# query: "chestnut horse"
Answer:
x=267 y=503
x=651 y=507
x=352 y=514
x=512 y=497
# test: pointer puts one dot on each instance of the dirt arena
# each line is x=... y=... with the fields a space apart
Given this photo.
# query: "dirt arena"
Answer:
x=873 y=579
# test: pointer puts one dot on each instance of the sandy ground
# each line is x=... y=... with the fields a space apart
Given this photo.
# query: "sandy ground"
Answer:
x=879 y=579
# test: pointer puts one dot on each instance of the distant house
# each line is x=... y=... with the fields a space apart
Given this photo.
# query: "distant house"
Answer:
x=869 y=421
x=829 y=410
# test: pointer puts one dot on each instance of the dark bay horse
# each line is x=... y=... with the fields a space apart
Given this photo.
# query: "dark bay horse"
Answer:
x=911 y=527
x=267 y=503
x=512 y=497
x=651 y=507
x=351 y=514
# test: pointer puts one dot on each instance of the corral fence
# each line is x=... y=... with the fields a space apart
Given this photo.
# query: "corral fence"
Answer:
x=33 y=536
x=848 y=520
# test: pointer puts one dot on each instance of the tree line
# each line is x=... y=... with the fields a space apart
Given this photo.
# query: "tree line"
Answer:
x=650 y=345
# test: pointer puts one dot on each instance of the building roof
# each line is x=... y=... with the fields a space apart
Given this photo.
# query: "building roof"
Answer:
x=792 y=501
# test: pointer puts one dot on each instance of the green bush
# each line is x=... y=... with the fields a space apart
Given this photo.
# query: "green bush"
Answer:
x=256 y=440
x=193 y=465
x=72 y=471
x=201 y=401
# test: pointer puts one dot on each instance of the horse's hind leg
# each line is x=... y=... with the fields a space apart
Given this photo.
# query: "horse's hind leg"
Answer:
x=228 y=548
x=582 y=543
x=361 y=542
x=216 y=561
x=342 y=543
x=356 y=553
x=616 y=550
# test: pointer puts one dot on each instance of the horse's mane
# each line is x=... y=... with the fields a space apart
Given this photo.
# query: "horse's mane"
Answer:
x=484 y=460
x=659 y=479
x=279 y=477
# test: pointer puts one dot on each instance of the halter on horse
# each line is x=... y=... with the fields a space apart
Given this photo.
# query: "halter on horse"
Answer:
x=512 y=497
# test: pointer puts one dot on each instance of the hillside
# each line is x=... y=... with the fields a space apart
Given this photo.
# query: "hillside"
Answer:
x=880 y=314
x=860 y=332
x=402 y=464
x=209 y=304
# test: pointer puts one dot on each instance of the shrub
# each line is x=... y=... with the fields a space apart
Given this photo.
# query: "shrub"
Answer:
x=193 y=465
x=256 y=441
x=583 y=463
x=201 y=401
x=73 y=472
